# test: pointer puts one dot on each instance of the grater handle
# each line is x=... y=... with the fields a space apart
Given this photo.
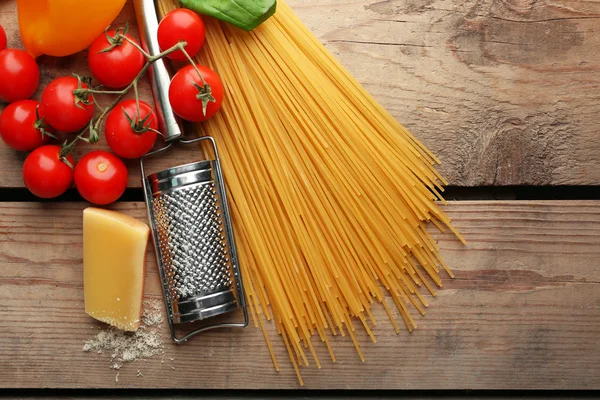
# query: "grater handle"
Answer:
x=188 y=335
x=147 y=19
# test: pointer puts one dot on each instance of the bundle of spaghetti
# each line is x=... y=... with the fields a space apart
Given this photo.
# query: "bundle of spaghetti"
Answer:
x=330 y=195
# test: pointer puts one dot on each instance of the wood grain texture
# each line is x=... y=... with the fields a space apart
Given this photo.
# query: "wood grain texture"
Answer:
x=504 y=92
x=522 y=313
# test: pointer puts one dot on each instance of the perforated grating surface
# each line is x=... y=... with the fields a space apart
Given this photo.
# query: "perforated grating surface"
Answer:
x=192 y=241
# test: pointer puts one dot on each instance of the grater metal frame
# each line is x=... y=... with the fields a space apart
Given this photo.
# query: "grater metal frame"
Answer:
x=229 y=235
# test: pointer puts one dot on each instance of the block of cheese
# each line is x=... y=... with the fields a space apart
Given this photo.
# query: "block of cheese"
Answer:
x=114 y=252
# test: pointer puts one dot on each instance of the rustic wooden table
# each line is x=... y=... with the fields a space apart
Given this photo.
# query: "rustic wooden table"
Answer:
x=505 y=92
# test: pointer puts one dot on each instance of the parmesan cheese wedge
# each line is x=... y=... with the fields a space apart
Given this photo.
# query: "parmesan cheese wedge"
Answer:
x=114 y=264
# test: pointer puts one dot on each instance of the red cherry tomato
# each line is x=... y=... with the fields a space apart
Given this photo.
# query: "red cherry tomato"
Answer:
x=183 y=93
x=179 y=25
x=19 y=75
x=131 y=137
x=101 y=177
x=45 y=174
x=3 y=40
x=118 y=67
x=60 y=109
x=20 y=128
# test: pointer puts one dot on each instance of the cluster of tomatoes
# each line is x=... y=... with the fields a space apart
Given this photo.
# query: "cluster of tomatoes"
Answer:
x=68 y=105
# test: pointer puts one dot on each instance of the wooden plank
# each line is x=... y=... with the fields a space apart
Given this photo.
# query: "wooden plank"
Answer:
x=522 y=313
x=504 y=93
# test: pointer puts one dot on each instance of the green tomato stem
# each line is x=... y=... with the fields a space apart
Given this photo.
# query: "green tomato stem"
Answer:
x=94 y=125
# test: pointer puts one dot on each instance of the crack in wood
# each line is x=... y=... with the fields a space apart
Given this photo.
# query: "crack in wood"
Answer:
x=376 y=43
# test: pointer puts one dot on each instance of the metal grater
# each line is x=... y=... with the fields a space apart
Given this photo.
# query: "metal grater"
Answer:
x=189 y=217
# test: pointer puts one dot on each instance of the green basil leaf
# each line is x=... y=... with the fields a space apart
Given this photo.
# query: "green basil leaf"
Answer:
x=245 y=14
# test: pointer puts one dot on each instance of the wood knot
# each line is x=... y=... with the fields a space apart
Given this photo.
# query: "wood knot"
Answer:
x=520 y=7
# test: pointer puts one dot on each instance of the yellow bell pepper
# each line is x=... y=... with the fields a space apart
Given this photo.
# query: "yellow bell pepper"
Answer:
x=64 y=27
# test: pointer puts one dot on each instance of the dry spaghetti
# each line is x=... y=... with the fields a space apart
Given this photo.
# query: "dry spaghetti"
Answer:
x=330 y=195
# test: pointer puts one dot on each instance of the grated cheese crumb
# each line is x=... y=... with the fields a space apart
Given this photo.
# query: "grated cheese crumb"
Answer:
x=127 y=347
x=152 y=314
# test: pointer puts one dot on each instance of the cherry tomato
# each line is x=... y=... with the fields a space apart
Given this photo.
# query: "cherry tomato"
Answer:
x=118 y=67
x=20 y=128
x=179 y=25
x=45 y=174
x=61 y=109
x=185 y=87
x=19 y=75
x=101 y=177
x=127 y=133
x=3 y=40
